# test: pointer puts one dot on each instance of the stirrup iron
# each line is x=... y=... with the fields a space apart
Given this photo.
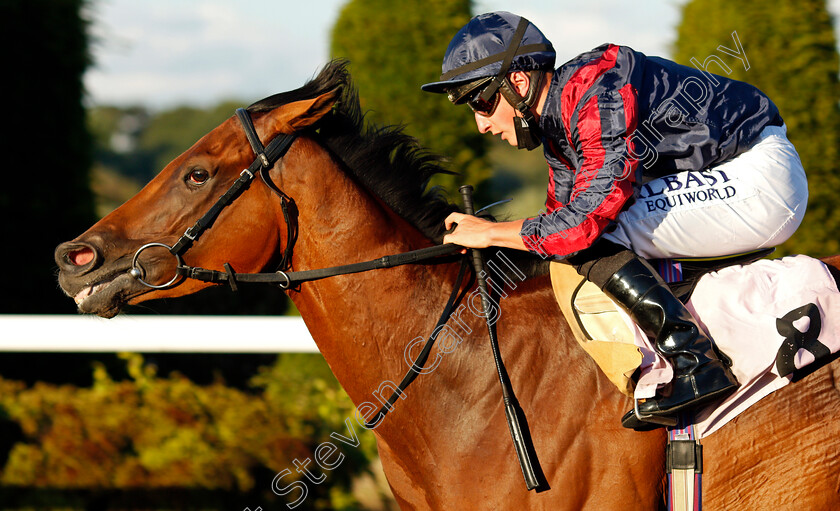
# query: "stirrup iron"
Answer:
x=653 y=419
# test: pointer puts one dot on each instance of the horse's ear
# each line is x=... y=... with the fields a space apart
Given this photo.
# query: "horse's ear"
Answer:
x=301 y=114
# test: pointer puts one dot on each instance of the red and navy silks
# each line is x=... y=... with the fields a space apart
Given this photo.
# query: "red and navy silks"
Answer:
x=613 y=117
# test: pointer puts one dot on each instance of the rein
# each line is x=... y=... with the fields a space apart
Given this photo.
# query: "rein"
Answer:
x=287 y=280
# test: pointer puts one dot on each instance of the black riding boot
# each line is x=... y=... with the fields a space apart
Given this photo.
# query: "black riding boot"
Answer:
x=699 y=375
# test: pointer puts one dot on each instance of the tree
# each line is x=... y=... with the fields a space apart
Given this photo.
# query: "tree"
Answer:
x=791 y=55
x=45 y=198
x=393 y=49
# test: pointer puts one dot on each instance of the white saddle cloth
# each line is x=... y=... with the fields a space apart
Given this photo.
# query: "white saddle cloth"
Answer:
x=770 y=317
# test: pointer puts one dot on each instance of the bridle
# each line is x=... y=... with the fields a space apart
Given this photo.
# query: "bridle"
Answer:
x=265 y=159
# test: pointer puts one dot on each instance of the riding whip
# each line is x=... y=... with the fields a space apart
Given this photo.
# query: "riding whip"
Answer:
x=511 y=411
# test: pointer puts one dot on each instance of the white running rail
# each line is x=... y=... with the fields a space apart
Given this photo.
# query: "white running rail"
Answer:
x=154 y=334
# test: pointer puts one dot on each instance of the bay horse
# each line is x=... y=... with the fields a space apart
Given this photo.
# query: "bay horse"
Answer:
x=359 y=193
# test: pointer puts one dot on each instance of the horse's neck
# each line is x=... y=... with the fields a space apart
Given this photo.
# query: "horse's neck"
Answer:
x=361 y=322
x=368 y=324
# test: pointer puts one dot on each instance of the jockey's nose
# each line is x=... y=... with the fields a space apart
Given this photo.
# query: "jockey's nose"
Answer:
x=483 y=123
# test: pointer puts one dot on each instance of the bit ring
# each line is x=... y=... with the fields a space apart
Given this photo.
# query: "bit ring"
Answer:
x=137 y=270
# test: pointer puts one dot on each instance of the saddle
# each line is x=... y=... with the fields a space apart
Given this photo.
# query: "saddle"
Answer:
x=604 y=331
x=775 y=319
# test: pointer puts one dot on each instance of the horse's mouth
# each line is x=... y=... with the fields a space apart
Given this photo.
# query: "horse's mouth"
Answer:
x=106 y=296
x=89 y=291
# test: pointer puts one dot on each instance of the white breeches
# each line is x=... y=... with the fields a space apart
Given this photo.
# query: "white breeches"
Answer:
x=755 y=200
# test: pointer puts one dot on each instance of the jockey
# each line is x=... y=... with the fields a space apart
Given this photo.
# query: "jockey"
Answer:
x=647 y=159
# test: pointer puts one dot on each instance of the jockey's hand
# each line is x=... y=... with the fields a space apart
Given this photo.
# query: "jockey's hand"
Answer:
x=475 y=232
x=470 y=231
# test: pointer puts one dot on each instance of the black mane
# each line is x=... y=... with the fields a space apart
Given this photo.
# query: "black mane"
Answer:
x=389 y=163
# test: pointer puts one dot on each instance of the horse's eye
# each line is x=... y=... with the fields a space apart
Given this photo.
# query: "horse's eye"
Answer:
x=198 y=176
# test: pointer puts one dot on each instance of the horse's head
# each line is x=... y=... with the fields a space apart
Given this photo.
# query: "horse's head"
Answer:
x=94 y=268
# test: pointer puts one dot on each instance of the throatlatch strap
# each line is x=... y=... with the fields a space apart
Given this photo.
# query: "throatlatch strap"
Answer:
x=684 y=466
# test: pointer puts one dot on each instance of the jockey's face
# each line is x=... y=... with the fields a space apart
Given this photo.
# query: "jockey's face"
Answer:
x=500 y=122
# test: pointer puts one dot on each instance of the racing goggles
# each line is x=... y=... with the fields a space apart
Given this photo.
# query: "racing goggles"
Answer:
x=471 y=93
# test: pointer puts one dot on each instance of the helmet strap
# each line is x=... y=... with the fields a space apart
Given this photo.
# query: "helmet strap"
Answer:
x=528 y=133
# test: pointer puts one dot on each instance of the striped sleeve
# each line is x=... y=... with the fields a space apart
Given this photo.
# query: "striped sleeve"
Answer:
x=599 y=108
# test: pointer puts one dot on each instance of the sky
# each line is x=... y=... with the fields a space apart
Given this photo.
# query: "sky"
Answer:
x=161 y=53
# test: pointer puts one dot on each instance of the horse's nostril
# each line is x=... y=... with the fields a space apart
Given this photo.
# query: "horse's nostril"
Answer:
x=77 y=257
x=81 y=257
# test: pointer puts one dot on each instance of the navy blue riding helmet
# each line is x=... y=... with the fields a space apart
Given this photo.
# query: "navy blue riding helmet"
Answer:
x=478 y=49
x=480 y=56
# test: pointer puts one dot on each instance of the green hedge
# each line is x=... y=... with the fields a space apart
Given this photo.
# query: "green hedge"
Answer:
x=151 y=432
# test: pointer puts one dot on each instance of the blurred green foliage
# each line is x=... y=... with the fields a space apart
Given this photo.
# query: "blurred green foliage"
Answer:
x=136 y=143
x=153 y=432
x=393 y=49
x=792 y=53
